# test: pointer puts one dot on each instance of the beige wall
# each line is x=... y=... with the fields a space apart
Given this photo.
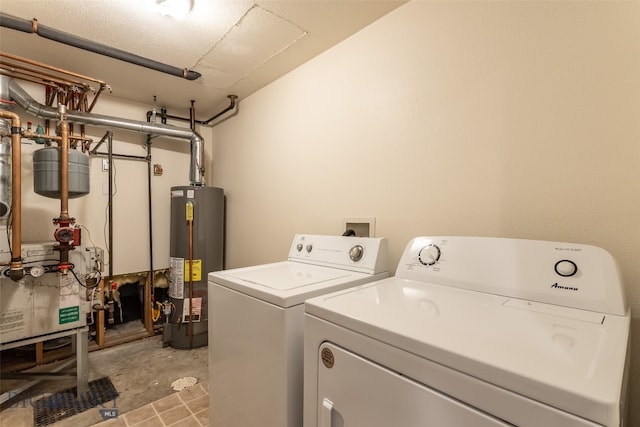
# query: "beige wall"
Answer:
x=130 y=203
x=505 y=119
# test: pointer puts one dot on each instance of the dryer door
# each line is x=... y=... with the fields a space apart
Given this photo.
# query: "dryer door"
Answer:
x=355 y=392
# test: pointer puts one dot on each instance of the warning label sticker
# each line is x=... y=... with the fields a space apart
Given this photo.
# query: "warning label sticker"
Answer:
x=197 y=270
x=12 y=320
x=176 y=278
x=69 y=314
x=196 y=310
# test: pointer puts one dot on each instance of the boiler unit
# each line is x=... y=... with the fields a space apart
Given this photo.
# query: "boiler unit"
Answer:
x=47 y=301
x=196 y=248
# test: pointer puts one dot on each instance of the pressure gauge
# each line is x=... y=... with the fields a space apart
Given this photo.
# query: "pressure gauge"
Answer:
x=37 y=270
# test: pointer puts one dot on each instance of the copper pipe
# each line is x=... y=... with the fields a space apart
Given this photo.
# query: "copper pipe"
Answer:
x=25 y=78
x=190 y=283
x=16 y=271
x=12 y=68
x=64 y=168
x=33 y=135
x=95 y=98
x=52 y=68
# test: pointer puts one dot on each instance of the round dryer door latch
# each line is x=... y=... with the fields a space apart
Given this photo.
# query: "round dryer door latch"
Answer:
x=356 y=253
x=566 y=268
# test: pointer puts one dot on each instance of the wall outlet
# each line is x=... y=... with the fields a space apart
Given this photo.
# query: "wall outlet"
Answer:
x=105 y=165
x=363 y=226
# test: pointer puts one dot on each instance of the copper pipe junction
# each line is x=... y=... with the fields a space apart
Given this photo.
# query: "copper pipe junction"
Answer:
x=71 y=93
x=71 y=89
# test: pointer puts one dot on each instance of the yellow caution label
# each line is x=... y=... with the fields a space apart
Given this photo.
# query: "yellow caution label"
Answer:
x=189 y=211
x=197 y=270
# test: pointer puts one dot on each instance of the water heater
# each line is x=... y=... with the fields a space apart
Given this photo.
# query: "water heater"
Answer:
x=196 y=248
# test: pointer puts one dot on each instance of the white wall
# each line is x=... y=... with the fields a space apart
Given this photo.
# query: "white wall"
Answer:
x=130 y=203
x=514 y=119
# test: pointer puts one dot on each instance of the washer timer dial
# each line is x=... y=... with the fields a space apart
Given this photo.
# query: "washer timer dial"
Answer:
x=429 y=255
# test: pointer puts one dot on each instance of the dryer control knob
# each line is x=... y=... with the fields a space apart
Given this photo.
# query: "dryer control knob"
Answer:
x=429 y=255
x=299 y=247
x=309 y=248
x=566 y=268
x=356 y=252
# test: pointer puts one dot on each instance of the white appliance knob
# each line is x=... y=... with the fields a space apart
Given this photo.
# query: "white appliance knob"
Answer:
x=566 y=268
x=299 y=247
x=356 y=252
x=429 y=255
x=309 y=248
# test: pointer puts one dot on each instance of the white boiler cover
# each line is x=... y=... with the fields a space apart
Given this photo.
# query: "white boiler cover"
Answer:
x=570 y=359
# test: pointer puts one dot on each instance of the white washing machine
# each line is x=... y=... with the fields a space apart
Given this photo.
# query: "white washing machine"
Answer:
x=473 y=332
x=256 y=318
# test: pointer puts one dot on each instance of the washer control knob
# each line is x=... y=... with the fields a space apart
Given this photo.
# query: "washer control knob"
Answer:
x=566 y=268
x=356 y=252
x=299 y=247
x=309 y=247
x=429 y=255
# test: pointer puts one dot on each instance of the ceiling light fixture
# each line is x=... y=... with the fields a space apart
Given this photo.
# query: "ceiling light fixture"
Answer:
x=175 y=8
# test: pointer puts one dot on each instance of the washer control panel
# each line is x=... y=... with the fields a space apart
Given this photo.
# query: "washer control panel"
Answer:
x=565 y=274
x=366 y=254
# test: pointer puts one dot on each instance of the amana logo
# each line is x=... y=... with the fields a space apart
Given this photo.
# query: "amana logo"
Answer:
x=566 y=288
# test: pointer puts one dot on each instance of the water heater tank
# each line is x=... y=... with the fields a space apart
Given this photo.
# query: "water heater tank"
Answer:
x=46 y=173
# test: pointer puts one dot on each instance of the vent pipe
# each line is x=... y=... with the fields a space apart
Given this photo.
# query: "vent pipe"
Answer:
x=196 y=167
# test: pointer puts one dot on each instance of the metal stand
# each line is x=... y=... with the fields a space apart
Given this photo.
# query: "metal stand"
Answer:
x=80 y=347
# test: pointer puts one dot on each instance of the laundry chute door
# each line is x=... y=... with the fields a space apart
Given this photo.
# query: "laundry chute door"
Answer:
x=355 y=392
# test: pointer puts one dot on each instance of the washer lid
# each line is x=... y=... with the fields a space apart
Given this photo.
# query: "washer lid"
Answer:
x=568 y=358
x=288 y=283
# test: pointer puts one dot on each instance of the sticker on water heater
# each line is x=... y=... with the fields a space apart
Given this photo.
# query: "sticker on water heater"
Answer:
x=196 y=310
x=176 y=278
x=177 y=193
x=197 y=270
x=191 y=194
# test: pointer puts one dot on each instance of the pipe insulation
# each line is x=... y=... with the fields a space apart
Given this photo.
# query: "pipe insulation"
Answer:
x=196 y=167
x=34 y=27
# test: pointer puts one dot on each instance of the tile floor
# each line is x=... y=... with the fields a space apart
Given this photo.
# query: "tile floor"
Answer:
x=187 y=408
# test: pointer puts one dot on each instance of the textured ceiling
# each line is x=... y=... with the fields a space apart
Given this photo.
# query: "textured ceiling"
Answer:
x=237 y=45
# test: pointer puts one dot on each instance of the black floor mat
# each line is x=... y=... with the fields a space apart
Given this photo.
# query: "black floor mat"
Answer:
x=64 y=404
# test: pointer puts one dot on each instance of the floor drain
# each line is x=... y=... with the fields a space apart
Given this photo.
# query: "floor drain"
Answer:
x=64 y=404
x=182 y=383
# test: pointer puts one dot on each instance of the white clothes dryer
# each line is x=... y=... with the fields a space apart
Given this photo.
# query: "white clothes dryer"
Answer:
x=473 y=332
x=256 y=318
